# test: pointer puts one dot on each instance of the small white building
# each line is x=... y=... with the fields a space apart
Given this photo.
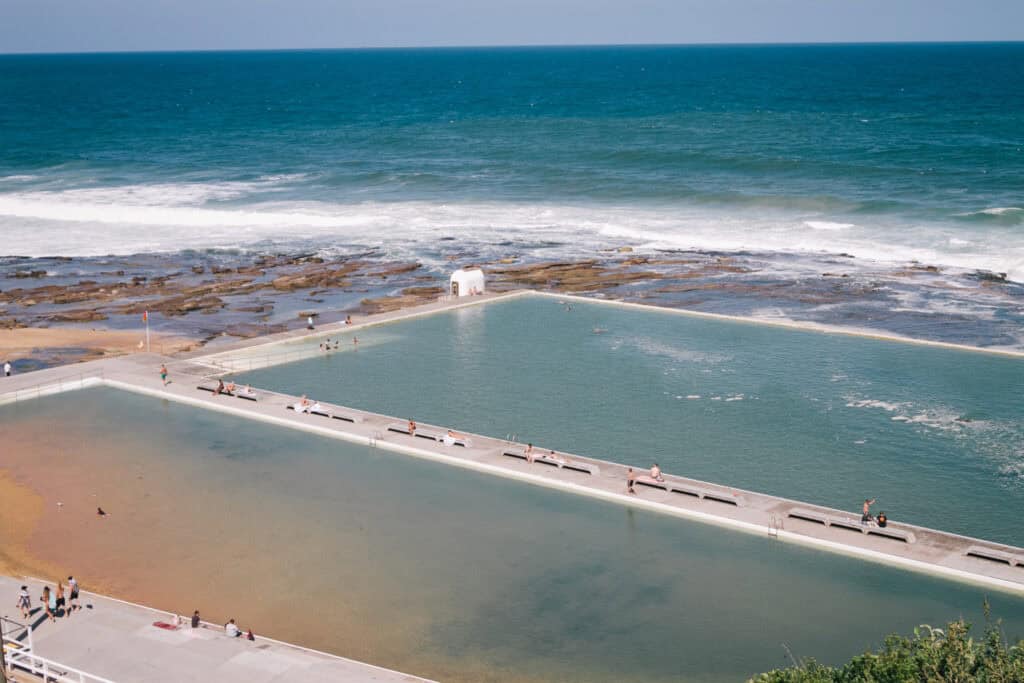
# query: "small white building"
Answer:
x=466 y=282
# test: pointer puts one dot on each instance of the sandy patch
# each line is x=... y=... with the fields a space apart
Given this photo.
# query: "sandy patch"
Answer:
x=20 y=514
x=28 y=341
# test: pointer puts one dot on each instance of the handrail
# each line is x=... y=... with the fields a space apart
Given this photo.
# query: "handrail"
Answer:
x=49 y=669
x=52 y=386
x=242 y=362
x=19 y=655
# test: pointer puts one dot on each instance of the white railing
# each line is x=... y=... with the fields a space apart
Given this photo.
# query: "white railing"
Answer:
x=19 y=655
x=245 y=362
x=58 y=385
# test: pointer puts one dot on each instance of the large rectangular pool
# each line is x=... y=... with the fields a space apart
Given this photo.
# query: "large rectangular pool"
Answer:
x=429 y=568
x=935 y=434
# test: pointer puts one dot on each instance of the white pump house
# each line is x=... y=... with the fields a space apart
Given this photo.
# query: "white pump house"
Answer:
x=466 y=282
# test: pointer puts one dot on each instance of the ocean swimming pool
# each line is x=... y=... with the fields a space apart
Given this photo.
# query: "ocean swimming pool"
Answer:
x=432 y=569
x=935 y=434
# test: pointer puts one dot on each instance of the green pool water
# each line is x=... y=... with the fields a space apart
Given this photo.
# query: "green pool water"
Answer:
x=449 y=573
x=935 y=434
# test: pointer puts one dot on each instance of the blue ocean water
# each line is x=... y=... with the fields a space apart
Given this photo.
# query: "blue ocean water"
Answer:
x=890 y=152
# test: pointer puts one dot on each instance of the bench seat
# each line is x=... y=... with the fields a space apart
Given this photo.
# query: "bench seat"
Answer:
x=544 y=459
x=850 y=523
x=994 y=555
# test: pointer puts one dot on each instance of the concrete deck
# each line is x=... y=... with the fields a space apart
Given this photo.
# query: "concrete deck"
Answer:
x=916 y=548
x=117 y=640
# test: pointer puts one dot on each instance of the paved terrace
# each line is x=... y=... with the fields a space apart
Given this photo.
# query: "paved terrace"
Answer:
x=907 y=546
x=117 y=640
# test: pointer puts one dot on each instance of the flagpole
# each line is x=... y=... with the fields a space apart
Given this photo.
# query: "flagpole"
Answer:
x=146 y=316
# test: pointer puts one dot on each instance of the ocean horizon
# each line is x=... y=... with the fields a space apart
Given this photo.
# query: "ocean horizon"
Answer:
x=864 y=160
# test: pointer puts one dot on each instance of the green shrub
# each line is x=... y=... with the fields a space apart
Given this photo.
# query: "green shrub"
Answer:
x=931 y=656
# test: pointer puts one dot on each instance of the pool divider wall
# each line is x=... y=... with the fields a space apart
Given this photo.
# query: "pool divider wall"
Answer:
x=337 y=431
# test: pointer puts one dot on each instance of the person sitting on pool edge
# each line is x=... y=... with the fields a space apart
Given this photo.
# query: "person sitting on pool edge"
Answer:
x=882 y=520
x=451 y=437
x=656 y=473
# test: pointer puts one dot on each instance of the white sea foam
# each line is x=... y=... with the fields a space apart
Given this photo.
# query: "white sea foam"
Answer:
x=888 y=406
x=1001 y=210
x=18 y=178
x=828 y=225
x=677 y=354
x=91 y=221
x=943 y=418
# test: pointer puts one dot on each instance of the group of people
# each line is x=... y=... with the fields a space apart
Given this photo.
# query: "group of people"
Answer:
x=56 y=602
x=531 y=455
x=655 y=474
x=334 y=346
x=867 y=518
x=230 y=629
x=231 y=389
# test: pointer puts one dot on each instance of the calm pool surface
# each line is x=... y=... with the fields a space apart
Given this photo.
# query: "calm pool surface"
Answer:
x=936 y=435
x=435 y=570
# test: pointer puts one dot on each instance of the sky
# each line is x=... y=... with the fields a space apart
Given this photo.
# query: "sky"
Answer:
x=121 y=25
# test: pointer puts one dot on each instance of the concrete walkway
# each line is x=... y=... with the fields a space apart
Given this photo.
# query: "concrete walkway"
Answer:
x=118 y=641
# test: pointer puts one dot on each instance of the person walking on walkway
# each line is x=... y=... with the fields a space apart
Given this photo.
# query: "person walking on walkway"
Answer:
x=73 y=595
x=163 y=374
x=630 y=480
x=61 y=605
x=7 y=368
x=25 y=603
x=49 y=600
